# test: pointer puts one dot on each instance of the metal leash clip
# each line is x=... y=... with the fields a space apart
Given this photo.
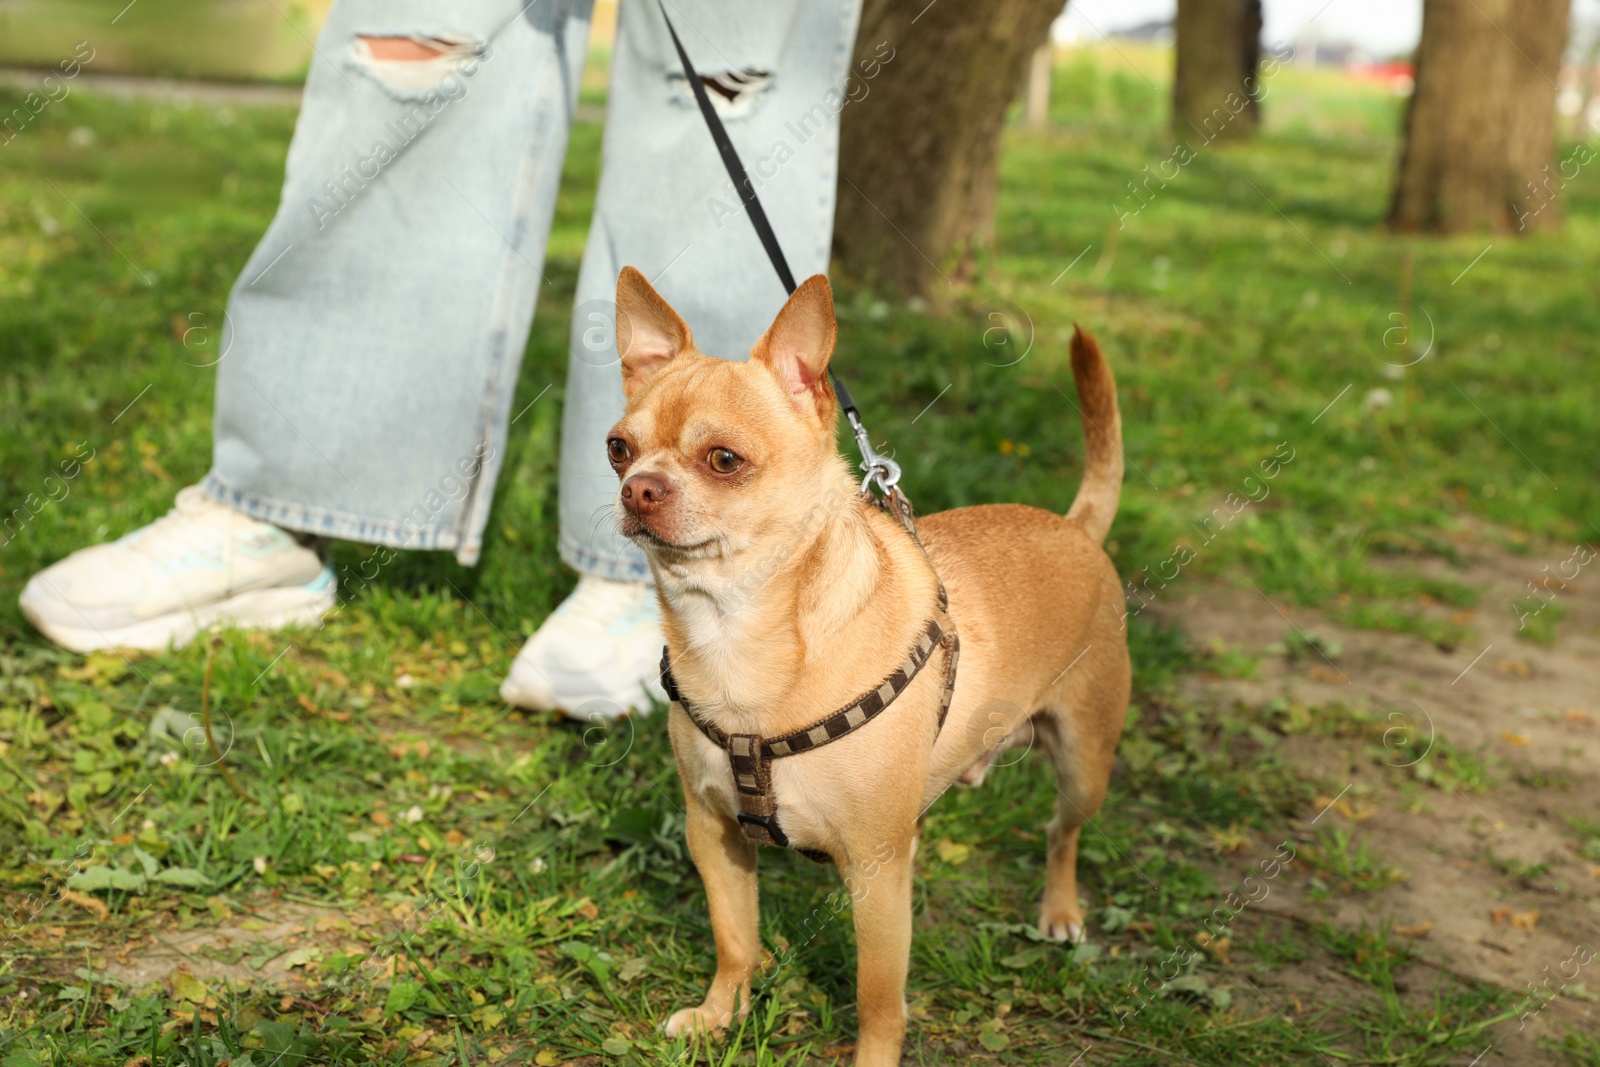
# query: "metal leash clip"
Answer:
x=881 y=470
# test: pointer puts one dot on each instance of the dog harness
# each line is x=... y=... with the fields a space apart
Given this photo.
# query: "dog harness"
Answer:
x=750 y=756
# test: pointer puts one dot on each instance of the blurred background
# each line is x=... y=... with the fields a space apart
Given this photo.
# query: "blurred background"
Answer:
x=1359 y=239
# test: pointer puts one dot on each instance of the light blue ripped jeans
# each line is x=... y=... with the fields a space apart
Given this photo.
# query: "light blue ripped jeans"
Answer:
x=374 y=337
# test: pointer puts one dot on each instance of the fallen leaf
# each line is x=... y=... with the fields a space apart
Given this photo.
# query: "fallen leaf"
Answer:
x=1227 y=841
x=302 y=957
x=1218 y=947
x=1355 y=811
x=185 y=986
x=83 y=900
x=1513 y=738
x=1526 y=920
x=588 y=910
x=1500 y=916
x=421 y=1039
x=952 y=852
x=1419 y=930
x=547 y=1058
x=1515 y=667
x=1574 y=715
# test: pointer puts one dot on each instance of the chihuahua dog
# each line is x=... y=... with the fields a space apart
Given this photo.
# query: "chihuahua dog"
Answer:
x=787 y=594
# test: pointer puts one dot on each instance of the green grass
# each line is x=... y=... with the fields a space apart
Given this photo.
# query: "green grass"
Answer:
x=506 y=887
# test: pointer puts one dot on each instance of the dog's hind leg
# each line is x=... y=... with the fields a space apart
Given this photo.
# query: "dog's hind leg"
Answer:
x=726 y=860
x=1079 y=727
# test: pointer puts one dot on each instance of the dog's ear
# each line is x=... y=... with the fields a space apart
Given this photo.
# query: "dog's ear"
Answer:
x=799 y=344
x=649 y=332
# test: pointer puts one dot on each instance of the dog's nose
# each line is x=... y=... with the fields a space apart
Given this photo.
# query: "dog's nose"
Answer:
x=644 y=493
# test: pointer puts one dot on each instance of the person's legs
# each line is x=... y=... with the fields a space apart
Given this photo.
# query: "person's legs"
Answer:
x=777 y=73
x=373 y=339
x=377 y=331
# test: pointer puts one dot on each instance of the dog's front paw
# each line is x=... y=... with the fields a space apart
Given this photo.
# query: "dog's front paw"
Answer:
x=1062 y=926
x=695 y=1020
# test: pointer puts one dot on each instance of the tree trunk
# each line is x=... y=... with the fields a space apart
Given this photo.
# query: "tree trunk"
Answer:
x=1214 y=85
x=920 y=140
x=1480 y=127
x=1540 y=32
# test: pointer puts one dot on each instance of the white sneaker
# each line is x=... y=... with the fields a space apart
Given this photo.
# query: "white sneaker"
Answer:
x=200 y=566
x=598 y=655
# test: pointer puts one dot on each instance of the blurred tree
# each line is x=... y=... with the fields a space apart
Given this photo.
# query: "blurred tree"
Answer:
x=1214 y=85
x=920 y=139
x=1480 y=127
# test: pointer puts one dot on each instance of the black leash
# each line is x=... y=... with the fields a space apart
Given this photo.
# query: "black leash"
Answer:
x=880 y=469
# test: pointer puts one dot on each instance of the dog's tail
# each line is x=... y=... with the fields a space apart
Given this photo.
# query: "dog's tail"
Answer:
x=1096 y=503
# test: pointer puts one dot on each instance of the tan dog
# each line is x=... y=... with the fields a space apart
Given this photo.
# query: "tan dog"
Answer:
x=785 y=596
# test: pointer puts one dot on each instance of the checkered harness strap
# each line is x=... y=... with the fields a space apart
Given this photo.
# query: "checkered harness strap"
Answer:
x=750 y=755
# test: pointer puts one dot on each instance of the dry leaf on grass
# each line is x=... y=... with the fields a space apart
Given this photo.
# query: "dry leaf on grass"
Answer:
x=1526 y=920
x=1500 y=916
x=1218 y=947
x=1355 y=811
x=1514 y=738
x=83 y=900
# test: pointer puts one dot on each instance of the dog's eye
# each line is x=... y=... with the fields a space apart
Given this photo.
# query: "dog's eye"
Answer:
x=724 y=460
x=617 y=451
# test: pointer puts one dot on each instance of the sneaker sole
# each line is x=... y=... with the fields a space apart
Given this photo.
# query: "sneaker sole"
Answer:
x=537 y=695
x=261 y=609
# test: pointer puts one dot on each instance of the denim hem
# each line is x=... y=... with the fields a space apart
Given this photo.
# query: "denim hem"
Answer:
x=589 y=562
x=322 y=522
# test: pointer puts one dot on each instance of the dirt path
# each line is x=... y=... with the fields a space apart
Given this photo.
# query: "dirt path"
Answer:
x=1481 y=780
